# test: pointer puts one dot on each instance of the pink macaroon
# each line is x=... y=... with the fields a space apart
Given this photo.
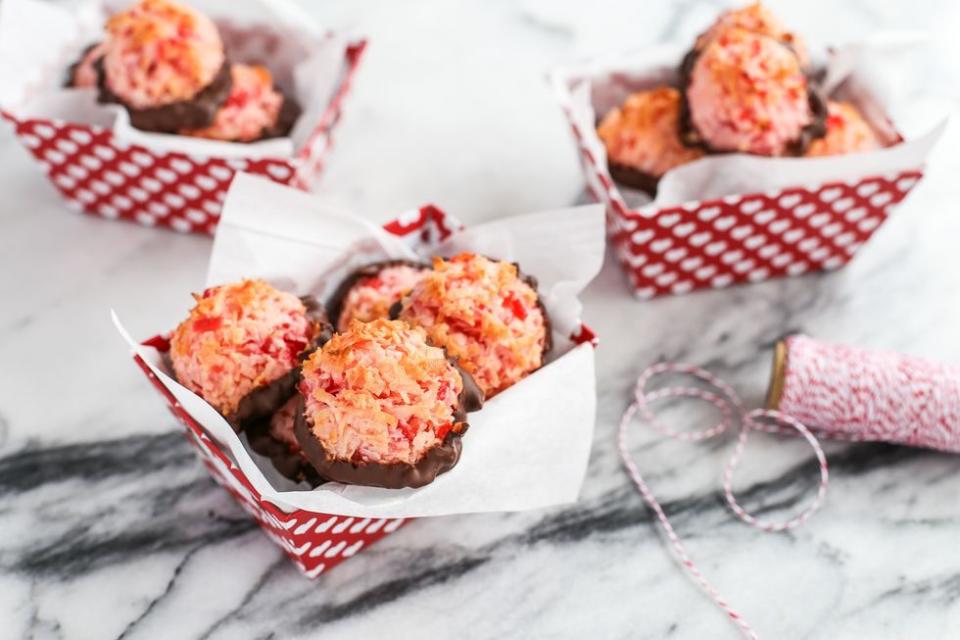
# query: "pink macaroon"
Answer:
x=847 y=132
x=370 y=292
x=83 y=74
x=485 y=314
x=240 y=347
x=642 y=136
x=755 y=18
x=250 y=111
x=747 y=92
x=383 y=407
x=160 y=52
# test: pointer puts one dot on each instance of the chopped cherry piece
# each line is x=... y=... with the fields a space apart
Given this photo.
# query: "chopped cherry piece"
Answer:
x=295 y=346
x=443 y=430
x=513 y=303
x=208 y=323
x=408 y=429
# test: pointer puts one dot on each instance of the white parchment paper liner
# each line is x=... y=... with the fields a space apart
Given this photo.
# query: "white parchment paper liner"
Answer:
x=40 y=40
x=590 y=90
x=527 y=448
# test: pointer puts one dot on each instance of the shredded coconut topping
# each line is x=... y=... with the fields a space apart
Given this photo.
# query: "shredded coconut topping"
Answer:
x=371 y=297
x=237 y=338
x=643 y=133
x=482 y=313
x=380 y=393
x=748 y=93
x=160 y=51
x=847 y=132
x=755 y=18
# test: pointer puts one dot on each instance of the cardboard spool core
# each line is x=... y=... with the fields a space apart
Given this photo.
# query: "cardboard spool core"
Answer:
x=777 y=374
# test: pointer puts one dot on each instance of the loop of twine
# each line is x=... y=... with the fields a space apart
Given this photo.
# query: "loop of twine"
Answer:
x=731 y=409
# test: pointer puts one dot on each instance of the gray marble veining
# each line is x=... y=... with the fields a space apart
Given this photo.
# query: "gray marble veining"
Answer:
x=110 y=528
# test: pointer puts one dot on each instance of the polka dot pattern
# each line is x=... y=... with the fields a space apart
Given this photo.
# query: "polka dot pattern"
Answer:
x=750 y=238
x=103 y=176
x=742 y=238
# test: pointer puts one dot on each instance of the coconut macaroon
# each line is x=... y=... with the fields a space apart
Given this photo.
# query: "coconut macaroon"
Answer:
x=847 y=132
x=642 y=138
x=254 y=110
x=369 y=292
x=382 y=407
x=165 y=63
x=747 y=92
x=274 y=438
x=240 y=347
x=755 y=18
x=485 y=315
x=82 y=74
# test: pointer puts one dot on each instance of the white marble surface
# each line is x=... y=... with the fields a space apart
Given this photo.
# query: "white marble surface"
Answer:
x=110 y=528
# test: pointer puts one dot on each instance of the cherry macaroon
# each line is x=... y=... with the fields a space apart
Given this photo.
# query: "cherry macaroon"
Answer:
x=82 y=74
x=254 y=110
x=485 y=314
x=755 y=18
x=241 y=346
x=274 y=438
x=369 y=292
x=164 y=62
x=642 y=138
x=847 y=132
x=747 y=92
x=380 y=406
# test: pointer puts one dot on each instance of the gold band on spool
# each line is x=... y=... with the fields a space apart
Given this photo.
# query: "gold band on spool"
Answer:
x=777 y=375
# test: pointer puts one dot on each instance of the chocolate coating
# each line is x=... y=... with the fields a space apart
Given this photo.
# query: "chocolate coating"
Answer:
x=290 y=463
x=72 y=69
x=335 y=304
x=196 y=113
x=398 y=475
x=633 y=177
x=690 y=137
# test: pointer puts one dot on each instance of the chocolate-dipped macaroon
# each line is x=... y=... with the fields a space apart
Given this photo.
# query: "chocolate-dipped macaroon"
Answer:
x=642 y=139
x=847 y=132
x=747 y=92
x=369 y=292
x=274 y=438
x=82 y=74
x=241 y=346
x=382 y=407
x=165 y=63
x=254 y=110
x=485 y=314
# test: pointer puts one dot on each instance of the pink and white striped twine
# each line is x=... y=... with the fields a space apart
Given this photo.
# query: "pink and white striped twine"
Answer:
x=844 y=392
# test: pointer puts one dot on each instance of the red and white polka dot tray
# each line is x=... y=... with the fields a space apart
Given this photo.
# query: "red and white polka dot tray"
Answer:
x=314 y=541
x=741 y=238
x=103 y=176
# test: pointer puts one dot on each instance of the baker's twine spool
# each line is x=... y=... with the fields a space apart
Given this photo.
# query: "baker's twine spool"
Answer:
x=868 y=395
x=845 y=392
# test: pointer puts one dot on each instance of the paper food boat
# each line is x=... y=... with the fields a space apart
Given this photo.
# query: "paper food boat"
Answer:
x=104 y=167
x=306 y=247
